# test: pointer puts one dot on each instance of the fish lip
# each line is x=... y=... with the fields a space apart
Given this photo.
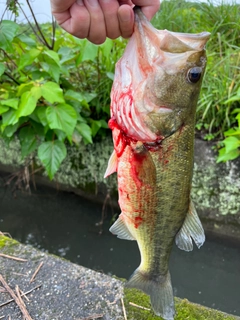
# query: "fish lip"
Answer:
x=193 y=36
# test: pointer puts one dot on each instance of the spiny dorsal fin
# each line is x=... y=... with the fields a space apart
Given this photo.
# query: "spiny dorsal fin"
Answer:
x=119 y=228
x=191 y=229
x=112 y=165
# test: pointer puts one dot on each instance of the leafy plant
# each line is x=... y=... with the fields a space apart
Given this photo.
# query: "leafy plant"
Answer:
x=222 y=76
x=52 y=92
x=54 y=88
x=231 y=149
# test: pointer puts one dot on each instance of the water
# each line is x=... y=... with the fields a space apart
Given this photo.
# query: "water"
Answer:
x=65 y=224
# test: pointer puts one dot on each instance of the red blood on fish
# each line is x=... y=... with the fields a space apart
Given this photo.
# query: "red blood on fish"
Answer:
x=138 y=221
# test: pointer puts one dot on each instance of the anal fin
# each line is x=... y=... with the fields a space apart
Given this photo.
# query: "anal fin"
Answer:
x=120 y=229
x=191 y=229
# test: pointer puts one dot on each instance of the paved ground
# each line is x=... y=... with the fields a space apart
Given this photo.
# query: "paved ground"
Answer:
x=67 y=291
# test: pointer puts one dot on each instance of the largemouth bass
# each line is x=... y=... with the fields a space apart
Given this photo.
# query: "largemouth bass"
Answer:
x=153 y=106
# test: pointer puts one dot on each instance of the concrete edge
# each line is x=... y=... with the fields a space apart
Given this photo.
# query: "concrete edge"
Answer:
x=69 y=291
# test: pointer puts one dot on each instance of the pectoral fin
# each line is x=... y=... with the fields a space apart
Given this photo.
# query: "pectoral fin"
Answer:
x=191 y=229
x=112 y=165
x=120 y=229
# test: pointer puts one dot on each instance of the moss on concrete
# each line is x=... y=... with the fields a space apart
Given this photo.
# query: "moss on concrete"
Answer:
x=185 y=309
x=6 y=242
x=215 y=188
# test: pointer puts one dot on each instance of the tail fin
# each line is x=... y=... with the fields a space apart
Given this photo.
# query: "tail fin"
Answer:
x=160 y=291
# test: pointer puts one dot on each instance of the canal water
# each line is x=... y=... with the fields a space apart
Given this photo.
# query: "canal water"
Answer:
x=67 y=225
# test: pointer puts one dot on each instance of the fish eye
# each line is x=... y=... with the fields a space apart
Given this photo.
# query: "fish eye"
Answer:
x=194 y=74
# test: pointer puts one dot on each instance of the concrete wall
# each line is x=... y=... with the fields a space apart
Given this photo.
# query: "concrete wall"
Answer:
x=215 y=187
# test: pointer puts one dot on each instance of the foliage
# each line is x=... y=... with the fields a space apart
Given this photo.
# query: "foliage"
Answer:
x=222 y=76
x=52 y=92
x=231 y=148
x=54 y=88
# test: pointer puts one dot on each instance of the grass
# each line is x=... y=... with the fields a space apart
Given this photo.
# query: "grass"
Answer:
x=222 y=76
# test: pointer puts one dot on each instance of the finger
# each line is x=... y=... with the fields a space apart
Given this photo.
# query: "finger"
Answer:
x=149 y=7
x=59 y=6
x=97 y=30
x=110 y=12
x=75 y=20
x=126 y=20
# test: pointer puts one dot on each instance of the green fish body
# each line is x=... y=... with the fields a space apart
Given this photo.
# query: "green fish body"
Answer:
x=154 y=98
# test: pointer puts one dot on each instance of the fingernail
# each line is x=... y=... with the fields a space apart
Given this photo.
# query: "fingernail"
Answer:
x=80 y=2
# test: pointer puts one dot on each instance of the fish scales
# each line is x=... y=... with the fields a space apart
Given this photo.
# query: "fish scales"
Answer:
x=153 y=106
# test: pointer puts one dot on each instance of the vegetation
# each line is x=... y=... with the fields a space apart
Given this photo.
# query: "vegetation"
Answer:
x=55 y=88
x=218 y=112
x=138 y=307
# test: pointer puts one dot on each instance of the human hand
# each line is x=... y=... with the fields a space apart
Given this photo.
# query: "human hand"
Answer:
x=98 y=19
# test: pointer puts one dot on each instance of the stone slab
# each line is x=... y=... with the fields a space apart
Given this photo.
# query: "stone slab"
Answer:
x=67 y=291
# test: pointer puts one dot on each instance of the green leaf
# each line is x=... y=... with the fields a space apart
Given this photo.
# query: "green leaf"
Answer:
x=51 y=67
x=28 y=58
x=2 y=68
x=38 y=129
x=52 y=92
x=95 y=125
x=89 y=52
x=62 y=117
x=27 y=40
x=224 y=156
x=232 y=132
x=231 y=143
x=10 y=130
x=9 y=118
x=28 y=141
x=104 y=124
x=3 y=109
x=106 y=47
x=51 y=154
x=89 y=96
x=238 y=119
x=67 y=54
x=24 y=87
x=41 y=112
x=60 y=134
x=73 y=95
x=28 y=102
x=98 y=124
x=8 y=30
x=110 y=75
x=85 y=132
x=49 y=54
x=13 y=103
